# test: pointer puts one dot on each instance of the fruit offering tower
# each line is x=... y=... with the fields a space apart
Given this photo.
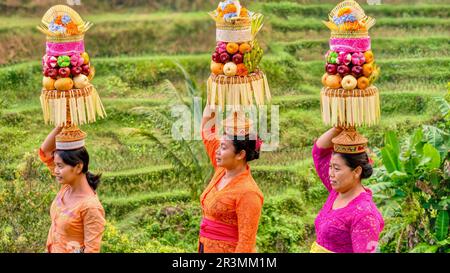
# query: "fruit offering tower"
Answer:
x=68 y=98
x=236 y=78
x=349 y=98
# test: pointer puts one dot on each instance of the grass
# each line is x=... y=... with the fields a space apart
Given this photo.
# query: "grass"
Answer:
x=385 y=48
x=286 y=9
x=300 y=24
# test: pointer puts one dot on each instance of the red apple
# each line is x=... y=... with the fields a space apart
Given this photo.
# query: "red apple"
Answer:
x=75 y=71
x=343 y=70
x=45 y=71
x=224 y=57
x=52 y=73
x=331 y=69
x=238 y=58
x=216 y=57
x=64 y=72
x=357 y=71
x=85 y=69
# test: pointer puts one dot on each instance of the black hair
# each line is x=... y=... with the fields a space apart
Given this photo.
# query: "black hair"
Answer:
x=74 y=157
x=248 y=145
x=355 y=160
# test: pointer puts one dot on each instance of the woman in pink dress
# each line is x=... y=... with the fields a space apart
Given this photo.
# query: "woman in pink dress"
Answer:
x=349 y=221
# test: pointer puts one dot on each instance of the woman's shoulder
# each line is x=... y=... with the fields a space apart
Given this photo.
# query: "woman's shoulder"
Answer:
x=366 y=207
x=92 y=202
x=250 y=186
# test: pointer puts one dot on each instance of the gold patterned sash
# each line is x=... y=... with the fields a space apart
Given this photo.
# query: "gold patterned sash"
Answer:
x=316 y=248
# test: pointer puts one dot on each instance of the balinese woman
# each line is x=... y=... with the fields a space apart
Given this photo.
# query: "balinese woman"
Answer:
x=78 y=218
x=232 y=202
x=349 y=221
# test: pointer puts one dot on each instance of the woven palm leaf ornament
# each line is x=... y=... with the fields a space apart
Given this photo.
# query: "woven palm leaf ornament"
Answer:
x=68 y=98
x=349 y=98
x=236 y=78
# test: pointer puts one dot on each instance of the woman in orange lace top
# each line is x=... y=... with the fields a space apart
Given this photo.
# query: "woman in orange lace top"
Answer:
x=232 y=202
x=78 y=218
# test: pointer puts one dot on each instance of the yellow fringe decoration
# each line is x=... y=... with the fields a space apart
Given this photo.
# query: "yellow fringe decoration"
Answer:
x=77 y=106
x=238 y=91
x=356 y=107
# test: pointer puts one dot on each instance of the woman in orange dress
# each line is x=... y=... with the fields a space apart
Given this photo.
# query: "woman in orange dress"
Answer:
x=78 y=218
x=232 y=202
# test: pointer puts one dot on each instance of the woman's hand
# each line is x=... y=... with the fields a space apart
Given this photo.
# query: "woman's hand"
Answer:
x=49 y=144
x=209 y=113
x=324 y=141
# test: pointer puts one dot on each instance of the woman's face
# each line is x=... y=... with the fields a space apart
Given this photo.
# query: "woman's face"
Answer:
x=342 y=177
x=226 y=156
x=65 y=174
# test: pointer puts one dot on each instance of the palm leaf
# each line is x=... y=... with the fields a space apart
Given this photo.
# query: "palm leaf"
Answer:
x=434 y=135
x=430 y=152
x=167 y=152
x=424 y=248
x=443 y=105
x=191 y=86
x=441 y=227
x=389 y=159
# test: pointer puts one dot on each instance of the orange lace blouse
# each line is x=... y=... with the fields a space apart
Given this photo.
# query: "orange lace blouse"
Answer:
x=239 y=203
x=77 y=228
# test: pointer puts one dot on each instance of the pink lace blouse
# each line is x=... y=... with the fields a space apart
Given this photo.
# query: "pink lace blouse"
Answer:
x=354 y=228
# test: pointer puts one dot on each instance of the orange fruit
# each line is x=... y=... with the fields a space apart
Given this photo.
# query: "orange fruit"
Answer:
x=48 y=83
x=363 y=83
x=324 y=79
x=216 y=68
x=367 y=69
x=333 y=81
x=242 y=70
x=63 y=84
x=244 y=48
x=232 y=48
x=369 y=56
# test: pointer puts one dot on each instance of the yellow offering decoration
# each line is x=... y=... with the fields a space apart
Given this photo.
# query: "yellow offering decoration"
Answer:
x=68 y=98
x=349 y=99
x=75 y=106
x=356 y=104
x=236 y=78
x=357 y=107
x=237 y=90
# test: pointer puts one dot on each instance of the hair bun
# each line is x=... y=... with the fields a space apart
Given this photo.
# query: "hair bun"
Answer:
x=367 y=171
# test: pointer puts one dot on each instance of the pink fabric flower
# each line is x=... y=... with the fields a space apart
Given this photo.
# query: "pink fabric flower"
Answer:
x=259 y=143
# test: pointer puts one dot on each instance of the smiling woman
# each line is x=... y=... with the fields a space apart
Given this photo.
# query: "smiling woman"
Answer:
x=78 y=218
